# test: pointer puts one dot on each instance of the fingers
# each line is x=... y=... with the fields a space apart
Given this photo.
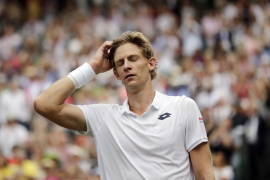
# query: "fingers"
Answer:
x=105 y=47
x=100 y=61
x=106 y=44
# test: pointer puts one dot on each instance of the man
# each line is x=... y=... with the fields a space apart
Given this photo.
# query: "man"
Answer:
x=151 y=136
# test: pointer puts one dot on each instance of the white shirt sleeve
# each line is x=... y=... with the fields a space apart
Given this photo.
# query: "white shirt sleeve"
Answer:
x=195 y=133
x=94 y=115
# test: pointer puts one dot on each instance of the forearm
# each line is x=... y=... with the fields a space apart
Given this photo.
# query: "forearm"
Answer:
x=50 y=104
x=53 y=97
x=205 y=175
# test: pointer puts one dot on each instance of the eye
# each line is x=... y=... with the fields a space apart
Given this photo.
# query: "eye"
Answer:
x=119 y=63
x=133 y=58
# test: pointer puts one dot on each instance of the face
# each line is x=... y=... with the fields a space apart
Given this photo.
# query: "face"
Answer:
x=131 y=67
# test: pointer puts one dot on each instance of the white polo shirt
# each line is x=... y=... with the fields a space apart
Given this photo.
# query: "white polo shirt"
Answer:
x=153 y=146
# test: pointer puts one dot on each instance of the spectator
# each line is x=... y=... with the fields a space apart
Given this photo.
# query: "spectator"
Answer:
x=12 y=134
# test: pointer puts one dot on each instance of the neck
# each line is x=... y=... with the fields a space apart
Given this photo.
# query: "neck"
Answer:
x=140 y=100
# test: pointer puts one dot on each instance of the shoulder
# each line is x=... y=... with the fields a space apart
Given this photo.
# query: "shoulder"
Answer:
x=100 y=111
x=186 y=105
x=175 y=99
x=185 y=101
x=181 y=102
x=99 y=107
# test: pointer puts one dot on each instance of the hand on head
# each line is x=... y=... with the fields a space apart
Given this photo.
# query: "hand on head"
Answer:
x=100 y=62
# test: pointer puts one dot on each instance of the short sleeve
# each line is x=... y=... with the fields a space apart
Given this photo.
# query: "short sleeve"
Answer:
x=94 y=115
x=195 y=133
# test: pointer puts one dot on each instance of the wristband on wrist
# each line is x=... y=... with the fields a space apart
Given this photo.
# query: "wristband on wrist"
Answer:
x=82 y=75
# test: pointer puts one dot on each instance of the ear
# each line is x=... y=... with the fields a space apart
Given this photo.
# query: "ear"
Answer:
x=152 y=63
x=116 y=73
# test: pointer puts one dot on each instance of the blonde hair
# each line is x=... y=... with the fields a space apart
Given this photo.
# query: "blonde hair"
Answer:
x=139 y=40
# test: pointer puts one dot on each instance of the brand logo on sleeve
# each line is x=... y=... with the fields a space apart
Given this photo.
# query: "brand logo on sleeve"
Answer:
x=200 y=119
x=164 y=116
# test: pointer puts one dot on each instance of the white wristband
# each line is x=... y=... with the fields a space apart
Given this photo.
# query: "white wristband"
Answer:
x=82 y=75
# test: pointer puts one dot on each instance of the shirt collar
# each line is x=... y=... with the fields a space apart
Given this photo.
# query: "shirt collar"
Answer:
x=157 y=103
x=158 y=100
x=125 y=107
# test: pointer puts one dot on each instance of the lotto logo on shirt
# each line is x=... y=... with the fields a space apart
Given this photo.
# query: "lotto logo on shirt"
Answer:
x=164 y=116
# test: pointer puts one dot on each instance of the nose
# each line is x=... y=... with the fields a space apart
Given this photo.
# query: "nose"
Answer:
x=127 y=65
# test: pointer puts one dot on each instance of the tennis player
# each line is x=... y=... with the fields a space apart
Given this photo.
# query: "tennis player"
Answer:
x=151 y=136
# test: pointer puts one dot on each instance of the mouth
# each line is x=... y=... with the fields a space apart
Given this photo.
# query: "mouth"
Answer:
x=129 y=75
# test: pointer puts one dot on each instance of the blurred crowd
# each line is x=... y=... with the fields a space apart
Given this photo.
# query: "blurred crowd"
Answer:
x=215 y=51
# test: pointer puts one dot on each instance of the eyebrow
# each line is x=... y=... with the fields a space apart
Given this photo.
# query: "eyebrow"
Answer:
x=129 y=56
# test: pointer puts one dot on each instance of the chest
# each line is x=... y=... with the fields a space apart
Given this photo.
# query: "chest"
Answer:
x=156 y=131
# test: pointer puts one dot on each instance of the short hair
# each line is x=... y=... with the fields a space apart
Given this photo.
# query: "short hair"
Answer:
x=139 y=40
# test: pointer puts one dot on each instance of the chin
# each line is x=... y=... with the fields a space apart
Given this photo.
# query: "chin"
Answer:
x=131 y=86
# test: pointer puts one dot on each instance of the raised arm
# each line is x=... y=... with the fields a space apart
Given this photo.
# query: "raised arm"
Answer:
x=50 y=103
